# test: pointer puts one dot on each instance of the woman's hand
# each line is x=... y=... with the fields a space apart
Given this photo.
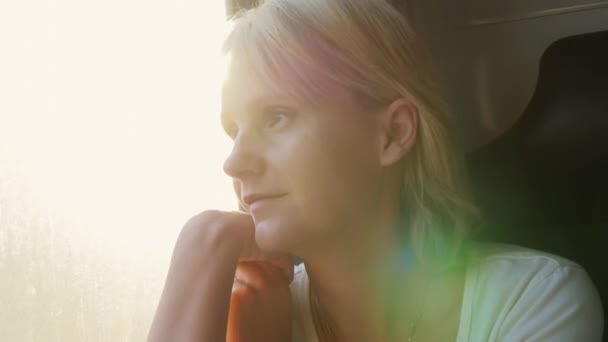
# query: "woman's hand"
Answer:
x=260 y=308
x=196 y=299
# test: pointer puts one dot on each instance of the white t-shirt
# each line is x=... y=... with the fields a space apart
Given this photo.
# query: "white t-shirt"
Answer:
x=510 y=294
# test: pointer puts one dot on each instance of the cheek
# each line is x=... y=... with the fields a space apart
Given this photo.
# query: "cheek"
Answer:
x=328 y=175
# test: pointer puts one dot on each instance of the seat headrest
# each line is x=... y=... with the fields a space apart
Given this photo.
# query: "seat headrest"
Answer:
x=544 y=183
x=569 y=108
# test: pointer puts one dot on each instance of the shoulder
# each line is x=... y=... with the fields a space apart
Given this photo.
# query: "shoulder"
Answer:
x=510 y=263
x=515 y=293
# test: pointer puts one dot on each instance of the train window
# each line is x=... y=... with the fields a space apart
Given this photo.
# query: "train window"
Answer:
x=109 y=141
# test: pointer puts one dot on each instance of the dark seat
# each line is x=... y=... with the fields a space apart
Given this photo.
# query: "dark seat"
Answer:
x=544 y=183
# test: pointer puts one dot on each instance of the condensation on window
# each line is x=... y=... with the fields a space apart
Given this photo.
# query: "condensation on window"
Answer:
x=110 y=140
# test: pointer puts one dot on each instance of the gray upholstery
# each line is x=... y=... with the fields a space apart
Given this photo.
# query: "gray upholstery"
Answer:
x=544 y=183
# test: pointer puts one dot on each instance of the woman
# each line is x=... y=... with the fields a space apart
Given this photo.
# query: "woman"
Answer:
x=343 y=157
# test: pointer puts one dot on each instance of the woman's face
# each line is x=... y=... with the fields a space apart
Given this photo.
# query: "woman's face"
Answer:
x=307 y=174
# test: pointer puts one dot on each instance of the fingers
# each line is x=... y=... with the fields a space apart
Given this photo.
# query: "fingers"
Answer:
x=283 y=262
x=240 y=227
x=241 y=304
x=260 y=275
x=260 y=306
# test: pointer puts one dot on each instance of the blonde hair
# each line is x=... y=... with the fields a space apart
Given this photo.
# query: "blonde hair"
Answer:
x=367 y=47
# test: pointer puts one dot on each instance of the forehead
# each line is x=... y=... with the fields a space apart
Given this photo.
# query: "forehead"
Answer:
x=250 y=83
x=244 y=87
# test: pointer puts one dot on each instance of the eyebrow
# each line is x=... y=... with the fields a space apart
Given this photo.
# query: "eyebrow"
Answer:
x=262 y=102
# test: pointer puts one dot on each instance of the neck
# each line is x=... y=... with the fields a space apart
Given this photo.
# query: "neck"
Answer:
x=345 y=277
x=378 y=293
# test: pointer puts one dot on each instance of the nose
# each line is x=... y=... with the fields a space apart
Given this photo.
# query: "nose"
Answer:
x=245 y=160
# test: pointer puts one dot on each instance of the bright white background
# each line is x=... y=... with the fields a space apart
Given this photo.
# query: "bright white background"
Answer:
x=109 y=141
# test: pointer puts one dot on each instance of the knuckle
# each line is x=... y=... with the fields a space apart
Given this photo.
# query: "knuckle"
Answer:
x=251 y=274
x=202 y=224
x=204 y=218
x=199 y=231
x=206 y=231
x=243 y=293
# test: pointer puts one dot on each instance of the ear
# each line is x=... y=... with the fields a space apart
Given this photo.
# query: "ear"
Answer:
x=398 y=128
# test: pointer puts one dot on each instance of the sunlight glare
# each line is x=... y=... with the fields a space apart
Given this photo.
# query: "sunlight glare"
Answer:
x=110 y=140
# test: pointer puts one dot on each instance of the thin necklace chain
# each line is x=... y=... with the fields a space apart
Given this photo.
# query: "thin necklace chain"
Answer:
x=323 y=327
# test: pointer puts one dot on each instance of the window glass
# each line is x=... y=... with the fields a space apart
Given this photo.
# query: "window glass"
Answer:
x=110 y=140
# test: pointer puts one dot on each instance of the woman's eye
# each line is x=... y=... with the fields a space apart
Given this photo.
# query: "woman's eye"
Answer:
x=275 y=119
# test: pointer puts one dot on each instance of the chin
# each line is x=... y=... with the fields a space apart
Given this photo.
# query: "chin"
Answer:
x=272 y=235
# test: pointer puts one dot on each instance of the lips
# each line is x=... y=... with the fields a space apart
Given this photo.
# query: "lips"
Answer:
x=250 y=199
